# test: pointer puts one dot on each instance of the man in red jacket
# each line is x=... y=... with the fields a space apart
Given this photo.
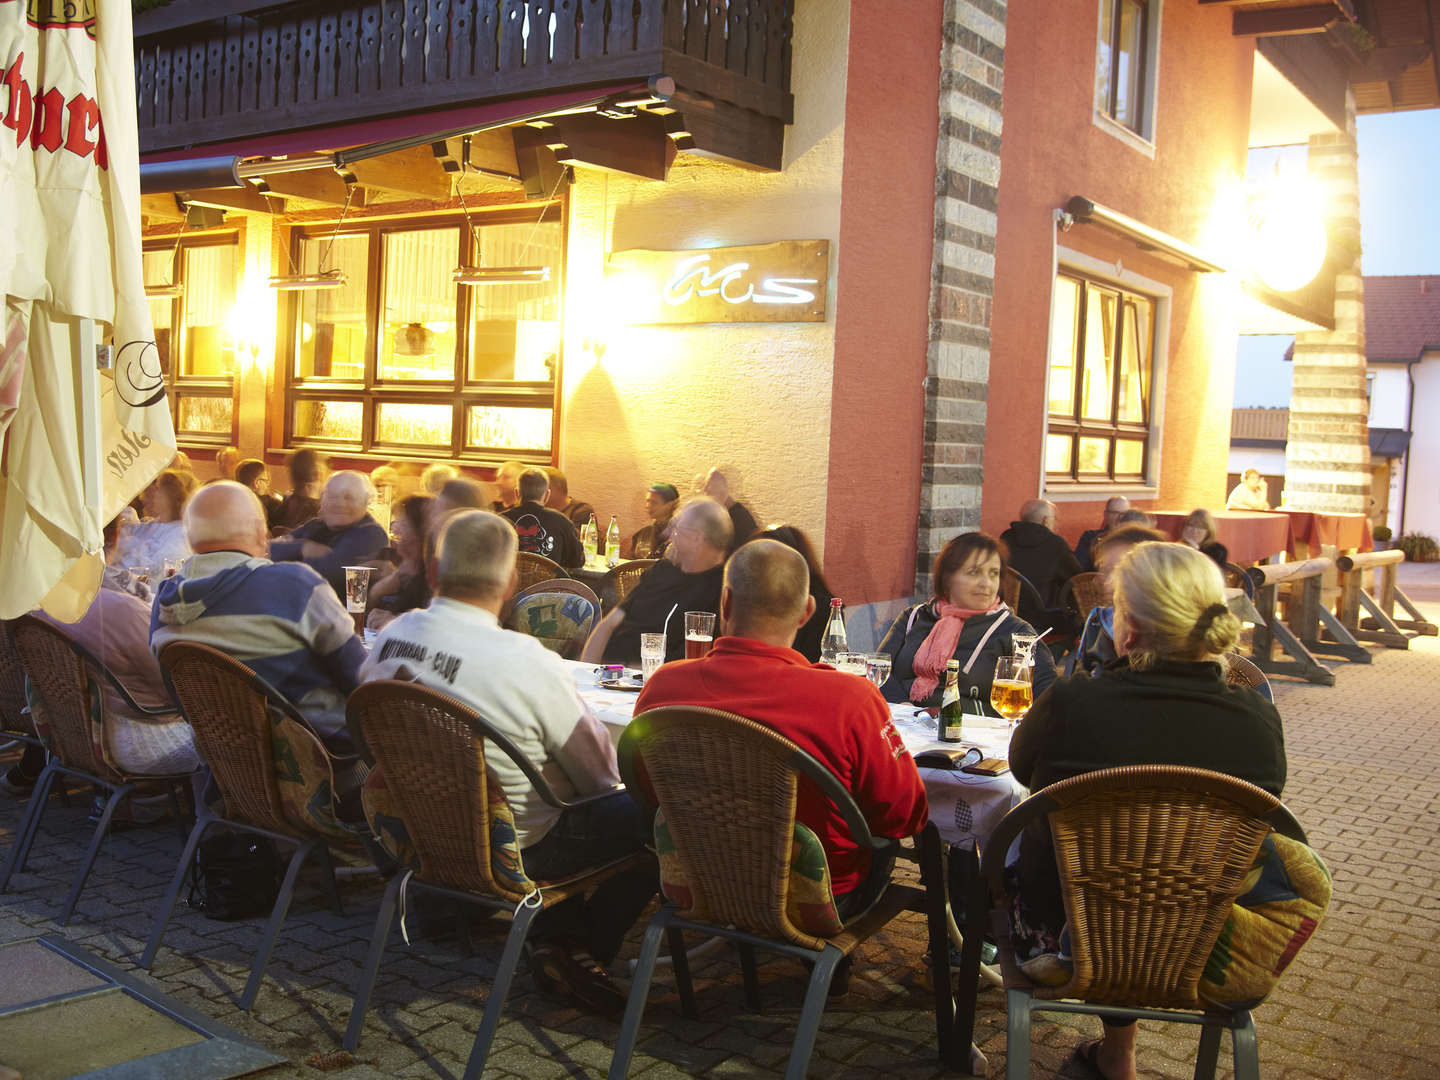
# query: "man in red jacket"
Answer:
x=839 y=719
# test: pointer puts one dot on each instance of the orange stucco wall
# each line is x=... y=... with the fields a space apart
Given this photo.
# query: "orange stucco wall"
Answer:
x=887 y=214
x=1052 y=150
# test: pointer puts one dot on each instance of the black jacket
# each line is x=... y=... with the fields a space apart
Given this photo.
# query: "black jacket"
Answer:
x=1041 y=556
x=547 y=532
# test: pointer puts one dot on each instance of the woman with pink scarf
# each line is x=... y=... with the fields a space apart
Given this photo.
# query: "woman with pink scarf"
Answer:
x=964 y=619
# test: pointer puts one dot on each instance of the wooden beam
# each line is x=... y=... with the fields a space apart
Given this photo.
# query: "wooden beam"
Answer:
x=1277 y=22
x=409 y=172
x=317 y=185
x=638 y=146
x=161 y=207
x=244 y=200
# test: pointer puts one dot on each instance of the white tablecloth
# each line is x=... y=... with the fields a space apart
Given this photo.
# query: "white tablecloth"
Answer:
x=965 y=807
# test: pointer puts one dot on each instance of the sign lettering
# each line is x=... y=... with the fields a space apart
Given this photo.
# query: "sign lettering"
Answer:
x=780 y=282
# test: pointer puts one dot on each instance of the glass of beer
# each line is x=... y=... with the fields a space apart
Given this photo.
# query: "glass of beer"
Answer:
x=699 y=633
x=1010 y=689
x=357 y=593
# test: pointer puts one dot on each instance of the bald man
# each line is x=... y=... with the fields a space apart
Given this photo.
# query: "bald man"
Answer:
x=840 y=719
x=343 y=534
x=281 y=619
x=1043 y=557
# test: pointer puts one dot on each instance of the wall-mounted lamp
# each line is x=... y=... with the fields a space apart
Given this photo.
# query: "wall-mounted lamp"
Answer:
x=501 y=275
x=330 y=279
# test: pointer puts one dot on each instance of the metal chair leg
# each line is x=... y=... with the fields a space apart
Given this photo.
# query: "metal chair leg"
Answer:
x=1208 y=1055
x=172 y=894
x=680 y=962
x=500 y=989
x=272 y=926
x=29 y=824
x=1017 y=1035
x=640 y=989
x=751 y=975
x=811 y=1011
x=1246 y=1048
x=384 y=919
x=117 y=796
x=327 y=876
x=172 y=792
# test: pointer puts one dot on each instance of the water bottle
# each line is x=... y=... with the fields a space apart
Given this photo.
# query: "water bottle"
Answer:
x=589 y=538
x=612 y=542
x=833 y=642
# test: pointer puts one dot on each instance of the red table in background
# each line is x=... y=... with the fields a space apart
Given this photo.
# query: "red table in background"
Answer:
x=1249 y=536
x=1309 y=532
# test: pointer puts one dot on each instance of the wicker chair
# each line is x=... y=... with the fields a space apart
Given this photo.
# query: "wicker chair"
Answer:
x=14 y=717
x=1237 y=578
x=1242 y=671
x=238 y=719
x=1081 y=595
x=1151 y=858
x=534 y=611
x=532 y=568
x=727 y=786
x=65 y=676
x=431 y=750
x=625 y=577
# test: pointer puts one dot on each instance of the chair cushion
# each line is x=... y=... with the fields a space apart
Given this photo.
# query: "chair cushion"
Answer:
x=809 y=902
x=555 y=619
x=1285 y=896
x=304 y=778
x=506 y=866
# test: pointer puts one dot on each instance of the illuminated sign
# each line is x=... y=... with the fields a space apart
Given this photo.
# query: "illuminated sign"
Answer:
x=781 y=282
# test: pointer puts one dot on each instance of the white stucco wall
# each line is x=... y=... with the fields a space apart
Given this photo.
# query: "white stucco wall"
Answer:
x=1422 y=486
x=664 y=403
x=1269 y=462
x=1389 y=394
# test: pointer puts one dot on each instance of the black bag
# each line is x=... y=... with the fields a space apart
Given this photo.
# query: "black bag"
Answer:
x=236 y=875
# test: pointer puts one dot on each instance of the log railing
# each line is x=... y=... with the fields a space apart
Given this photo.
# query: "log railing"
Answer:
x=1381 y=626
x=209 y=70
x=1311 y=626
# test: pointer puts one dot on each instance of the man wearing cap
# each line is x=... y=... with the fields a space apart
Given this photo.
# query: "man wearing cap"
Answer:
x=660 y=502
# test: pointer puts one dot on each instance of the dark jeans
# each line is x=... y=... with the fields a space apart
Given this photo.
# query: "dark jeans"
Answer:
x=588 y=836
x=863 y=896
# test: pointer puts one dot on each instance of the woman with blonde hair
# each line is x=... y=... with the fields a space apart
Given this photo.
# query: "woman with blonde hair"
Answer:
x=1162 y=701
x=1198 y=532
x=160 y=538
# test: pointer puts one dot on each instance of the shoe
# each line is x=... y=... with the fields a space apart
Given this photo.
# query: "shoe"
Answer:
x=576 y=976
x=16 y=784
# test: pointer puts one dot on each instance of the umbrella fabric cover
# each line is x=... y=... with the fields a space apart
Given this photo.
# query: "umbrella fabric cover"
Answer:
x=74 y=452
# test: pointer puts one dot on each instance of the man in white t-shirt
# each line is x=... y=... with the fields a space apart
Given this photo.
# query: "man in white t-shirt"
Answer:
x=457 y=646
x=1250 y=494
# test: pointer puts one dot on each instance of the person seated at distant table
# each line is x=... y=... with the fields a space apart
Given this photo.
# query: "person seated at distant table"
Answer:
x=1163 y=701
x=507 y=484
x=807 y=638
x=1084 y=555
x=1038 y=553
x=965 y=620
x=649 y=540
x=1198 y=532
x=148 y=545
x=253 y=473
x=742 y=522
x=406 y=587
x=1250 y=494
x=559 y=499
x=343 y=535
x=687 y=579
x=307 y=473
x=543 y=531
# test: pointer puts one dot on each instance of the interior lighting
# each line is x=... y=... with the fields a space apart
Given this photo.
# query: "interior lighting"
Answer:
x=330 y=279
x=501 y=275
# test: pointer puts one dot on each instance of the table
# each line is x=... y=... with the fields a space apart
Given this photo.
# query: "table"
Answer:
x=595 y=573
x=1249 y=536
x=1309 y=532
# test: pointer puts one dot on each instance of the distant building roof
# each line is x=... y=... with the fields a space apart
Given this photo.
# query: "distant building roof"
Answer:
x=1259 y=427
x=1402 y=316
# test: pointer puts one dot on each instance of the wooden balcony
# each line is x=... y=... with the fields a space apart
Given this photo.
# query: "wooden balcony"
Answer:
x=211 y=71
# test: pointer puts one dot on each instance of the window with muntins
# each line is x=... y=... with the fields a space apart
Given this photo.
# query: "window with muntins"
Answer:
x=1101 y=348
x=1122 y=81
x=402 y=358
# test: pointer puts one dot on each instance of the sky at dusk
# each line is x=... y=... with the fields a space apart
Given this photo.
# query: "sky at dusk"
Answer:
x=1399 y=227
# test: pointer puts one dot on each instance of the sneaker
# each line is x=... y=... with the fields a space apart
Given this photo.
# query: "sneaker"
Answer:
x=577 y=977
x=17 y=784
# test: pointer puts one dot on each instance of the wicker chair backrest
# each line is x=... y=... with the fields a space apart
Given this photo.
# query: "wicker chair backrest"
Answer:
x=530 y=568
x=63 y=688
x=565 y=585
x=627 y=576
x=434 y=766
x=12 y=687
x=728 y=794
x=1010 y=588
x=231 y=721
x=1086 y=591
x=1242 y=671
x=1151 y=859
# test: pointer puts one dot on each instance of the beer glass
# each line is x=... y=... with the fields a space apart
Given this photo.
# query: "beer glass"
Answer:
x=877 y=668
x=1010 y=688
x=357 y=593
x=652 y=653
x=699 y=633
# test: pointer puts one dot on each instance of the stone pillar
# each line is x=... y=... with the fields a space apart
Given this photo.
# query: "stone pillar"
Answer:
x=1327 y=458
x=967 y=173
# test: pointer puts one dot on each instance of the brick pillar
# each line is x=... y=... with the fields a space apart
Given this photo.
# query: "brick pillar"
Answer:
x=1327 y=458
x=972 y=67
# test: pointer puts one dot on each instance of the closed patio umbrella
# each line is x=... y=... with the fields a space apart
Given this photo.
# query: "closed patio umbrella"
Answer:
x=76 y=444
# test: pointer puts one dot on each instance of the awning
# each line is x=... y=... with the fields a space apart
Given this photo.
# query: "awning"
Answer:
x=1388 y=442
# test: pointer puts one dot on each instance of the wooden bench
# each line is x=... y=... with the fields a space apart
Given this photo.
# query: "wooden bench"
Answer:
x=1381 y=626
x=1312 y=628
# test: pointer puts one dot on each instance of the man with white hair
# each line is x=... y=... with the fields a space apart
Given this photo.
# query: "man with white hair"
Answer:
x=281 y=619
x=343 y=534
x=1043 y=557
x=742 y=522
x=457 y=646
x=507 y=483
x=688 y=578
x=1114 y=507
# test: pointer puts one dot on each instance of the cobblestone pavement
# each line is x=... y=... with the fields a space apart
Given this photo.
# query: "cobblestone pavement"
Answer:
x=1360 y=1001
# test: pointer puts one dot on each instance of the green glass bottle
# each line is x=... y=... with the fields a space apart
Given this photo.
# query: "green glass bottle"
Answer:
x=952 y=705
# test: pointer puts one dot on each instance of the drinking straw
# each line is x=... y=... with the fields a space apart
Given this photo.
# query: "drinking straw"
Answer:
x=666 y=628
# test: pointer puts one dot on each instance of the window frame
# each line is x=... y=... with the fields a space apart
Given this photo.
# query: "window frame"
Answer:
x=1059 y=487
x=1141 y=138
x=459 y=392
x=178 y=385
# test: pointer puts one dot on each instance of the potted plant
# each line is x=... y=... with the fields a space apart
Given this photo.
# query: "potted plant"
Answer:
x=1383 y=536
x=1418 y=547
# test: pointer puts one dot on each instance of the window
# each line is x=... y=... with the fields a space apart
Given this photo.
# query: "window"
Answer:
x=1125 y=63
x=1100 y=383
x=402 y=358
x=195 y=349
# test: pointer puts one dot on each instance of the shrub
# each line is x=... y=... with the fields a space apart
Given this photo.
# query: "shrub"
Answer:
x=1382 y=532
x=1418 y=547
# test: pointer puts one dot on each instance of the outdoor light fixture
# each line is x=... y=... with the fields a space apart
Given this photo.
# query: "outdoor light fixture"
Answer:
x=1287 y=222
x=500 y=275
x=329 y=279
x=163 y=292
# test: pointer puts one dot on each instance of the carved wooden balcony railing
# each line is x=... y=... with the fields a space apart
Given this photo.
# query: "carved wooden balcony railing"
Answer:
x=214 y=70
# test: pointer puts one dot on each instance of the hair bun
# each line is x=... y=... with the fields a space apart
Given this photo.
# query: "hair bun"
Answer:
x=1209 y=615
